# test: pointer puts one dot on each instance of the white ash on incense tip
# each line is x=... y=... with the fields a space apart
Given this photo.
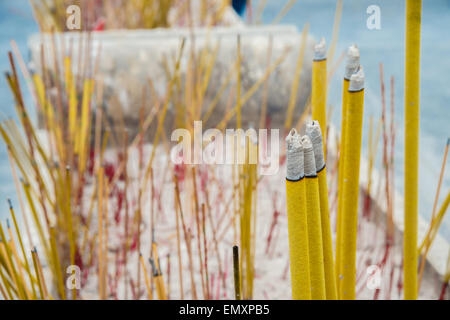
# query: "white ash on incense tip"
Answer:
x=357 y=81
x=309 y=161
x=315 y=134
x=320 y=50
x=352 y=63
x=294 y=161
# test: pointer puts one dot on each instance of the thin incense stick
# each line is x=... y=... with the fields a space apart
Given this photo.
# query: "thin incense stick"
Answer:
x=39 y=275
x=297 y=220
x=351 y=184
x=186 y=238
x=180 y=263
x=238 y=84
x=319 y=87
x=57 y=263
x=27 y=266
x=237 y=276
x=316 y=261
x=101 y=267
x=412 y=114
x=205 y=248
x=436 y=198
x=296 y=80
x=351 y=67
x=147 y=278
x=199 y=242
x=7 y=253
x=313 y=131
x=434 y=227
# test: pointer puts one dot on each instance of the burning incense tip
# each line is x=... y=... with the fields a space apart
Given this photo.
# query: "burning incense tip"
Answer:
x=352 y=64
x=315 y=134
x=154 y=269
x=10 y=203
x=309 y=161
x=320 y=50
x=294 y=168
x=357 y=81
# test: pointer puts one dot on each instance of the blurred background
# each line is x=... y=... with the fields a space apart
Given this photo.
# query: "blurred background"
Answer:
x=385 y=45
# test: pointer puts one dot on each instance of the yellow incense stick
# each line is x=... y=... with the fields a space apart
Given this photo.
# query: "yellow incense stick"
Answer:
x=7 y=253
x=27 y=266
x=319 y=88
x=297 y=220
x=351 y=184
x=72 y=97
x=296 y=80
x=147 y=278
x=57 y=263
x=18 y=262
x=81 y=144
x=351 y=67
x=316 y=261
x=412 y=87
x=39 y=275
x=431 y=234
x=313 y=131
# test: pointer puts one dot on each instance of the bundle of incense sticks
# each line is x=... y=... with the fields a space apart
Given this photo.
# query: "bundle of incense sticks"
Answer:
x=138 y=14
x=310 y=243
x=326 y=279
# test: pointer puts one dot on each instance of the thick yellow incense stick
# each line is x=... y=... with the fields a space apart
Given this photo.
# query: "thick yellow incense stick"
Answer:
x=351 y=184
x=319 y=87
x=313 y=131
x=297 y=220
x=412 y=86
x=316 y=262
x=351 y=67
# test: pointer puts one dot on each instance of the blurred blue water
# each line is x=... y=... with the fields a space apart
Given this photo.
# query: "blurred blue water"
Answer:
x=385 y=45
x=16 y=23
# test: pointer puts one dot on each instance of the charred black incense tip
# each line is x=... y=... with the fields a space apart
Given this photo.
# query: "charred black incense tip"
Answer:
x=7 y=223
x=10 y=204
x=154 y=270
x=448 y=141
